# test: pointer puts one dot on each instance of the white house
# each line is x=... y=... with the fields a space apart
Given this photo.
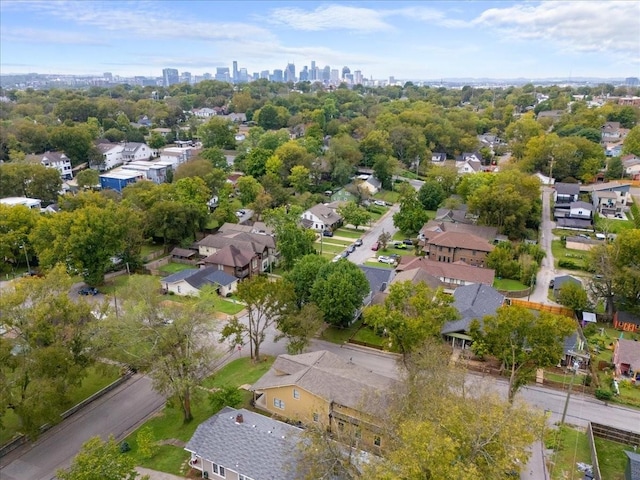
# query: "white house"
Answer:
x=60 y=162
x=189 y=282
x=33 y=203
x=582 y=210
x=154 y=171
x=369 y=183
x=321 y=217
x=133 y=151
x=204 y=112
x=468 y=166
x=111 y=155
x=631 y=165
x=176 y=155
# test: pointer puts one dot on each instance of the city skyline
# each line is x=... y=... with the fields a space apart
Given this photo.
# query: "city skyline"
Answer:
x=406 y=40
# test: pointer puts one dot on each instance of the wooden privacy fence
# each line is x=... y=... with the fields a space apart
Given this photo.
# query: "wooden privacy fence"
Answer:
x=558 y=310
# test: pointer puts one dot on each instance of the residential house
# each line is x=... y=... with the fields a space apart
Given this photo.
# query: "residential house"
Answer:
x=438 y=157
x=563 y=280
x=632 y=469
x=133 y=151
x=469 y=163
x=434 y=227
x=163 y=132
x=259 y=228
x=605 y=203
x=631 y=165
x=176 y=156
x=239 y=262
x=610 y=131
x=244 y=445
x=33 y=203
x=60 y=162
x=204 y=112
x=626 y=358
x=613 y=149
x=575 y=348
x=473 y=302
x=456 y=215
x=119 y=178
x=320 y=387
x=379 y=279
x=576 y=210
x=553 y=115
x=451 y=275
x=320 y=217
x=626 y=321
x=574 y=224
x=451 y=247
x=189 y=282
x=369 y=183
x=184 y=255
x=111 y=155
x=417 y=275
x=154 y=171
x=260 y=245
x=565 y=193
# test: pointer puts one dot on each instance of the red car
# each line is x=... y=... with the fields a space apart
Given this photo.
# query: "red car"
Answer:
x=375 y=246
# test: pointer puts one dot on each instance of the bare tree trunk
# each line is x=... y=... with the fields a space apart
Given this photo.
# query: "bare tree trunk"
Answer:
x=186 y=407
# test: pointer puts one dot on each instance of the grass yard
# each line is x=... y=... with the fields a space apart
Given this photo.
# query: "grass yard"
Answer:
x=172 y=267
x=98 y=377
x=348 y=232
x=509 y=284
x=570 y=447
x=611 y=458
x=340 y=335
x=614 y=226
x=114 y=284
x=150 y=248
x=239 y=372
x=368 y=335
x=578 y=257
x=387 y=196
x=379 y=265
x=219 y=304
x=330 y=249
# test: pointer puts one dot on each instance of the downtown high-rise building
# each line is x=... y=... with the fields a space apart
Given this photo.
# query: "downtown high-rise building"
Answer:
x=325 y=76
x=234 y=78
x=290 y=73
x=170 y=77
x=222 y=74
x=357 y=77
x=277 y=76
x=313 y=73
x=304 y=74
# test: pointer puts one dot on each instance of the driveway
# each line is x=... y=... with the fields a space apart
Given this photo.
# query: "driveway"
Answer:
x=547 y=269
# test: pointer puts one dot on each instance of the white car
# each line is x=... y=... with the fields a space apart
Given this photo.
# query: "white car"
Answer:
x=385 y=259
x=379 y=203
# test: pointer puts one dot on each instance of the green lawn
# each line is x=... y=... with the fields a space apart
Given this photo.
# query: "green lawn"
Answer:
x=239 y=372
x=340 y=335
x=334 y=241
x=348 y=232
x=379 y=265
x=387 y=196
x=367 y=334
x=172 y=267
x=614 y=226
x=98 y=377
x=330 y=249
x=570 y=447
x=579 y=257
x=611 y=458
x=508 y=284
x=220 y=304
x=148 y=248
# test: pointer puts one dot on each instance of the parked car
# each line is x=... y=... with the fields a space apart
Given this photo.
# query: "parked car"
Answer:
x=88 y=291
x=379 y=203
x=375 y=246
x=358 y=242
x=336 y=258
x=345 y=254
x=327 y=233
x=407 y=241
x=400 y=245
x=551 y=283
x=386 y=259
x=584 y=236
x=351 y=248
x=395 y=256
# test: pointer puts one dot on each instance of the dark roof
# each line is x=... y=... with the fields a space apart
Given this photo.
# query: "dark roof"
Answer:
x=377 y=277
x=181 y=275
x=448 y=271
x=581 y=204
x=230 y=256
x=454 y=239
x=574 y=223
x=634 y=464
x=433 y=227
x=558 y=282
x=417 y=275
x=208 y=276
x=259 y=447
x=183 y=252
x=473 y=302
x=567 y=188
x=627 y=317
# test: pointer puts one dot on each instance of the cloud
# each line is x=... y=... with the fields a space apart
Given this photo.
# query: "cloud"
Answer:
x=576 y=26
x=331 y=17
x=41 y=36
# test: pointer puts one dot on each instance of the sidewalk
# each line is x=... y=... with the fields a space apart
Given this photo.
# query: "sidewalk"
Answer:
x=156 y=475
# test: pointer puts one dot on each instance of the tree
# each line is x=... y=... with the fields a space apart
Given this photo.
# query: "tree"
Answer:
x=603 y=259
x=256 y=161
x=75 y=141
x=248 y=189
x=217 y=132
x=166 y=340
x=16 y=222
x=411 y=313
x=33 y=181
x=227 y=396
x=298 y=327
x=339 y=291
x=384 y=167
x=156 y=141
x=353 y=214
x=522 y=341
x=265 y=301
x=216 y=157
x=104 y=457
x=294 y=241
x=412 y=216
x=299 y=178
x=431 y=194
x=146 y=443
x=375 y=143
x=88 y=178
x=383 y=239
x=49 y=349
x=615 y=169
x=573 y=296
x=303 y=275
x=632 y=141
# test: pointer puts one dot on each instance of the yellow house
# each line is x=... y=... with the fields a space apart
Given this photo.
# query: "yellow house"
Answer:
x=323 y=388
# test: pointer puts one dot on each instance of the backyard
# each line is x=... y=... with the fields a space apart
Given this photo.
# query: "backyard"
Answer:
x=579 y=258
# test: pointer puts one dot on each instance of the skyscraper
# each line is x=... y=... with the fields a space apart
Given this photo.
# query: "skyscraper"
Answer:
x=170 y=77
x=185 y=77
x=304 y=74
x=313 y=74
x=235 y=72
x=345 y=71
x=326 y=74
x=290 y=73
x=357 y=77
x=243 y=76
x=222 y=74
x=277 y=76
x=334 y=76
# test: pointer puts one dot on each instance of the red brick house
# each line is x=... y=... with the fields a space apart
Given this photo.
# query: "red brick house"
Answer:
x=238 y=262
x=451 y=247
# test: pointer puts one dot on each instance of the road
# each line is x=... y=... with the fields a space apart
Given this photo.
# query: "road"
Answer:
x=364 y=252
x=116 y=413
x=547 y=269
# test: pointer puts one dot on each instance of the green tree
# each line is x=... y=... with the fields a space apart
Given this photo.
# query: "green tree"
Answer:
x=299 y=178
x=156 y=141
x=298 y=327
x=411 y=313
x=217 y=132
x=523 y=341
x=339 y=291
x=412 y=216
x=146 y=443
x=431 y=194
x=227 y=396
x=573 y=296
x=75 y=141
x=88 y=178
x=632 y=141
x=271 y=117
x=16 y=222
x=101 y=456
x=353 y=214
x=383 y=239
x=384 y=168
x=216 y=157
x=375 y=143
x=248 y=189
x=303 y=275
x=294 y=241
x=256 y=161
x=615 y=169
x=33 y=181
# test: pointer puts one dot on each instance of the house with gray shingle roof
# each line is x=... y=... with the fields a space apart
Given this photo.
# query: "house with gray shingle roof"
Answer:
x=321 y=217
x=323 y=388
x=192 y=280
x=378 y=278
x=632 y=470
x=473 y=302
x=240 y=444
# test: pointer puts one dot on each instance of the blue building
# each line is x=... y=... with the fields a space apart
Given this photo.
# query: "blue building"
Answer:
x=118 y=179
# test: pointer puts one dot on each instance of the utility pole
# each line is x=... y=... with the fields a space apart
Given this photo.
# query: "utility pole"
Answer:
x=26 y=256
x=576 y=365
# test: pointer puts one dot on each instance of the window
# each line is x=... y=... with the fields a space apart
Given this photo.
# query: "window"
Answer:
x=376 y=441
x=214 y=468
x=440 y=249
x=296 y=394
x=222 y=472
x=316 y=417
x=463 y=259
x=278 y=403
x=474 y=252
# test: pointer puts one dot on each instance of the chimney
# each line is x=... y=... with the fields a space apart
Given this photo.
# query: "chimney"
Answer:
x=239 y=418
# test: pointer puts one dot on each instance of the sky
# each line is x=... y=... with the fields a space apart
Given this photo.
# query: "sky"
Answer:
x=407 y=40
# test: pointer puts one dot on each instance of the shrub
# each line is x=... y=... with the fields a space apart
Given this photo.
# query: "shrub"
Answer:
x=568 y=264
x=586 y=381
x=604 y=394
x=125 y=447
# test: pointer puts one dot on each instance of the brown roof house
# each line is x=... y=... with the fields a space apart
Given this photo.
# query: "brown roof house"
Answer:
x=323 y=388
x=321 y=217
x=451 y=275
x=434 y=227
x=626 y=358
x=453 y=247
x=264 y=246
x=239 y=262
